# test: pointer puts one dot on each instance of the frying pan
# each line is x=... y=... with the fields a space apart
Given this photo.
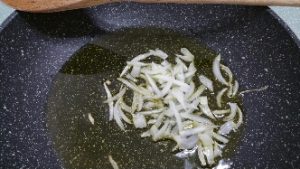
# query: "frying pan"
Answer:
x=258 y=47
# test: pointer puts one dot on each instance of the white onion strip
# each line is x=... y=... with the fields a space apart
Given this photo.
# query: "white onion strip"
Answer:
x=113 y=162
x=110 y=104
x=219 y=97
x=206 y=82
x=217 y=70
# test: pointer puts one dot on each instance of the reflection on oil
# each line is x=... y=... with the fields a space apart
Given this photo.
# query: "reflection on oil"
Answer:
x=77 y=91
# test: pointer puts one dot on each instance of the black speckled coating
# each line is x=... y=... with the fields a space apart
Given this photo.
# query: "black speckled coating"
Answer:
x=254 y=44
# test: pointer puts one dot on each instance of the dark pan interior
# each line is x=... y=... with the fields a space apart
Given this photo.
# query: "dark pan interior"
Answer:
x=254 y=44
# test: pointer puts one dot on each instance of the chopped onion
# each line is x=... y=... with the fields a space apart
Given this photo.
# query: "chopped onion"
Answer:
x=206 y=82
x=217 y=70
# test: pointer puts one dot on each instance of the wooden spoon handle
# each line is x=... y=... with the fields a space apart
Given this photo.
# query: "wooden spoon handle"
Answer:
x=62 y=5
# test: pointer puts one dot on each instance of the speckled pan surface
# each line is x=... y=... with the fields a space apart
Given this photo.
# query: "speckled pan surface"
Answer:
x=258 y=49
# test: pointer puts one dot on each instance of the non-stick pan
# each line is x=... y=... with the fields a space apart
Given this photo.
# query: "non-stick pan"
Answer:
x=35 y=50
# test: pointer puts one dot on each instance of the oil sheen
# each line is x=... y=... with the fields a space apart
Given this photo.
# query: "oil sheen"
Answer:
x=77 y=91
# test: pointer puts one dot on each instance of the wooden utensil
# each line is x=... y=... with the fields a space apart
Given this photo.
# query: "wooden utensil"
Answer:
x=46 y=6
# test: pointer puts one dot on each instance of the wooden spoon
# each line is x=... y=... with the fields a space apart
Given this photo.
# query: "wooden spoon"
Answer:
x=46 y=6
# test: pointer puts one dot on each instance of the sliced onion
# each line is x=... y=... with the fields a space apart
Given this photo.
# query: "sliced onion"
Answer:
x=141 y=57
x=228 y=72
x=117 y=96
x=206 y=82
x=235 y=88
x=240 y=119
x=176 y=114
x=220 y=138
x=201 y=155
x=198 y=92
x=193 y=131
x=196 y=118
x=187 y=55
x=130 y=77
x=159 y=53
x=151 y=111
x=191 y=70
x=118 y=118
x=146 y=134
x=180 y=97
x=221 y=112
x=217 y=70
x=219 y=97
x=140 y=102
x=233 y=110
x=181 y=64
x=122 y=115
x=161 y=132
x=139 y=121
x=217 y=150
x=91 y=118
x=207 y=147
x=167 y=102
x=204 y=107
x=166 y=88
x=153 y=85
x=185 y=142
x=125 y=70
x=136 y=70
x=134 y=87
x=110 y=104
x=125 y=107
x=113 y=162
x=226 y=128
